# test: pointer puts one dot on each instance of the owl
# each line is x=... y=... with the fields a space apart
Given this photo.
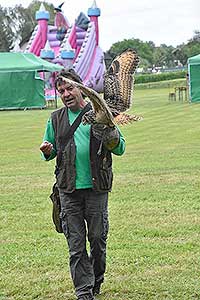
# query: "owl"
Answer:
x=118 y=92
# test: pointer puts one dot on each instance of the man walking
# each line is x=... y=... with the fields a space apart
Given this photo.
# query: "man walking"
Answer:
x=84 y=178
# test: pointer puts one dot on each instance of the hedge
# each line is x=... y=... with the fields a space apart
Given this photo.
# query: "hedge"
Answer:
x=145 y=78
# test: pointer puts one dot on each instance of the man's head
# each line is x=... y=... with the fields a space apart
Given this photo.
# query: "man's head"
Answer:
x=68 y=73
x=70 y=94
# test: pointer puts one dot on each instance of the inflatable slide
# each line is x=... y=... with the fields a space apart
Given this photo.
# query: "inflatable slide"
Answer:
x=71 y=45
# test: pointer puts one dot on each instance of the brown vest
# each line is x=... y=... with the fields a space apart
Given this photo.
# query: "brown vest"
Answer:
x=101 y=164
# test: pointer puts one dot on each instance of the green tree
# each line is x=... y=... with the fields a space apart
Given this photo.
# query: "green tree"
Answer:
x=192 y=47
x=6 y=35
x=25 y=18
x=163 y=56
x=144 y=50
x=184 y=51
x=18 y=23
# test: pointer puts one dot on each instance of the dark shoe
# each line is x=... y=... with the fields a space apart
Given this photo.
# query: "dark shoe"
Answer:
x=96 y=289
x=86 y=298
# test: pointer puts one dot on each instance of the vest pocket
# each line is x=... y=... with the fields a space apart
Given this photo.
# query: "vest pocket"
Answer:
x=66 y=172
x=61 y=171
x=61 y=178
x=106 y=178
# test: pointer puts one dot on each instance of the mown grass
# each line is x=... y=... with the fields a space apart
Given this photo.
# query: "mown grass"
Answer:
x=153 y=245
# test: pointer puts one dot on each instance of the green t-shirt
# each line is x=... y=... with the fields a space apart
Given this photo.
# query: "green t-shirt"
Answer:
x=82 y=142
x=82 y=163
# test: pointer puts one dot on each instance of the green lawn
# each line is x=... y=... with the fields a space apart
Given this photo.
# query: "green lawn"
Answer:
x=154 y=238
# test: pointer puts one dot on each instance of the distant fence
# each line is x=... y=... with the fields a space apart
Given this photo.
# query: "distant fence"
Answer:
x=174 y=69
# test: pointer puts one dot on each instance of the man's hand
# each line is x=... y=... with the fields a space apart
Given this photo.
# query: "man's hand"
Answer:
x=46 y=148
x=108 y=135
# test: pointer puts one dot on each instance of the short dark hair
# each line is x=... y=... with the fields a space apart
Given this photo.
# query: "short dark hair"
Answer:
x=68 y=73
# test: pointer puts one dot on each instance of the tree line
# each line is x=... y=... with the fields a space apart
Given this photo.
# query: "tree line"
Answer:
x=152 y=56
x=18 y=24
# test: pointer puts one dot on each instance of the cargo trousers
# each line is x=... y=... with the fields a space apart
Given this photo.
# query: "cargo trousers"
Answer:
x=84 y=216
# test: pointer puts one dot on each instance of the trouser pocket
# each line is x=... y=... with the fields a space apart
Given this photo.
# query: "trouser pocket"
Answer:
x=64 y=221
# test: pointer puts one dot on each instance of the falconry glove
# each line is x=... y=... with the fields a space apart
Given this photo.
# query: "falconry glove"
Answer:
x=109 y=136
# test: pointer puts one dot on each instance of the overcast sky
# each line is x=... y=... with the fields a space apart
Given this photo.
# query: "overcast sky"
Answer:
x=170 y=22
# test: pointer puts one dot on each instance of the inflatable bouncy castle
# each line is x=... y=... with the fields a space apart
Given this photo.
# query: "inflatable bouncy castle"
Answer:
x=71 y=45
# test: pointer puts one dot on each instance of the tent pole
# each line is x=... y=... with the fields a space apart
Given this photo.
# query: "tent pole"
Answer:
x=44 y=89
x=56 y=104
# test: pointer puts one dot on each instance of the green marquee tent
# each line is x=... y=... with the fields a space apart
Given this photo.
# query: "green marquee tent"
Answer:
x=194 y=78
x=20 y=83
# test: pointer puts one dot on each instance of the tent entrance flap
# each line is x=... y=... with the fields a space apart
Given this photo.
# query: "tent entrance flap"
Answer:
x=194 y=71
x=194 y=78
x=21 y=90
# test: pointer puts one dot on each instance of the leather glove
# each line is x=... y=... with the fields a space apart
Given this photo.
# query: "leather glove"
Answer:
x=108 y=135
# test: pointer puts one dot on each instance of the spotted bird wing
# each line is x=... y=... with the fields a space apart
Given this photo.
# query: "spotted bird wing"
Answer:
x=101 y=109
x=119 y=81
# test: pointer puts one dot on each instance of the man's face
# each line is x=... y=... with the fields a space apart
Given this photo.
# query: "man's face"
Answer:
x=70 y=96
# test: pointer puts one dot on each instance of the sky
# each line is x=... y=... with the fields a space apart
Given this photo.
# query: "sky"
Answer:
x=170 y=22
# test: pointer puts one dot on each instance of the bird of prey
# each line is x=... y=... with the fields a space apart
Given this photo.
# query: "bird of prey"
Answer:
x=119 y=86
x=118 y=91
x=101 y=113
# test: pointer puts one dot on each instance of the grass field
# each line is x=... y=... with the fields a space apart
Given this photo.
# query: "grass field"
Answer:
x=154 y=240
